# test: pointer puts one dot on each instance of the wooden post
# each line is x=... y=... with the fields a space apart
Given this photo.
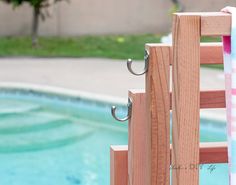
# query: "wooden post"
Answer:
x=158 y=113
x=185 y=100
x=118 y=165
x=138 y=140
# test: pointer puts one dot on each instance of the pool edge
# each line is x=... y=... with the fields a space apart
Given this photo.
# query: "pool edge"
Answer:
x=104 y=99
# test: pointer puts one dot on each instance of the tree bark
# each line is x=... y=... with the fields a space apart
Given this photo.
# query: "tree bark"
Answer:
x=35 y=25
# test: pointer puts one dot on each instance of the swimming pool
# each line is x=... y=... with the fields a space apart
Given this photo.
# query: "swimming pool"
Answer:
x=48 y=139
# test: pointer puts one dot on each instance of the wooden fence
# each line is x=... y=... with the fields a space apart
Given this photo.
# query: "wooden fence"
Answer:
x=149 y=156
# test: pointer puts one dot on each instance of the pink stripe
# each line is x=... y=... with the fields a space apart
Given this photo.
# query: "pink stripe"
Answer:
x=233 y=105
x=233 y=91
x=227 y=44
x=233 y=118
x=233 y=129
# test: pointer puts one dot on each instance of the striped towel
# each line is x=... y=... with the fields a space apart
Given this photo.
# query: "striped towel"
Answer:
x=229 y=43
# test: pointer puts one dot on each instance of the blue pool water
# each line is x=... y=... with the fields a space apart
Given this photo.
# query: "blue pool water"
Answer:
x=58 y=140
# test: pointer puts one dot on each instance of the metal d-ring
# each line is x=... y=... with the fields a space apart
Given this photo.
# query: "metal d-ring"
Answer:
x=113 y=112
x=146 y=59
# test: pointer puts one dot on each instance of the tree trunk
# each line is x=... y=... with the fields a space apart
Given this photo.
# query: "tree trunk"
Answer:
x=35 y=25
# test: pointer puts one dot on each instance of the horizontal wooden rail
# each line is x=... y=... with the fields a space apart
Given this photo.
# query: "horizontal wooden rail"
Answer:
x=208 y=99
x=212 y=23
x=209 y=153
x=215 y=24
x=213 y=153
x=212 y=99
x=210 y=53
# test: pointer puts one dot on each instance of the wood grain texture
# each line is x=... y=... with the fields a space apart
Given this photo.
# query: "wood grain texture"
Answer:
x=119 y=165
x=215 y=24
x=212 y=23
x=210 y=53
x=210 y=99
x=158 y=113
x=138 y=155
x=214 y=152
x=186 y=99
x=209 y=153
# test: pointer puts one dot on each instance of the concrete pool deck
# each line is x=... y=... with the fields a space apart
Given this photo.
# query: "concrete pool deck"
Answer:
x=106 y=77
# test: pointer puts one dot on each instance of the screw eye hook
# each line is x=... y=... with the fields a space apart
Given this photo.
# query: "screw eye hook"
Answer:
x=113 y=112
x=146 y=59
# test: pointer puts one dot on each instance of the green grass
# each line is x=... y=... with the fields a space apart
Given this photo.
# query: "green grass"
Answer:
x=118 y=47
x=212 y=39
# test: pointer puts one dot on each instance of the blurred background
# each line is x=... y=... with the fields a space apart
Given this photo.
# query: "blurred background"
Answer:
x=101 y=17
x=90 y=28
x=62 y=67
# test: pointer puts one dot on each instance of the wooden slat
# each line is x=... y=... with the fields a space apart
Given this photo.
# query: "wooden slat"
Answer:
x=186 y=99
x=215 y=24
x=119 y=165
x=210 y=53
x=158 y=114
x=139 y=156
x=214 y=152
x=212 y=23
x=209 y=153
x=210 y=99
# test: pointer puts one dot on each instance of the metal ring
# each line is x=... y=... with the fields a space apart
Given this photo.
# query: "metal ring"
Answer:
x=146 y=59
x=113 y=112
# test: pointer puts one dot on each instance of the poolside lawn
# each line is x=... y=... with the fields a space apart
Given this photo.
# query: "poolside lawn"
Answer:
x=115 y=47
x=118 y=47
